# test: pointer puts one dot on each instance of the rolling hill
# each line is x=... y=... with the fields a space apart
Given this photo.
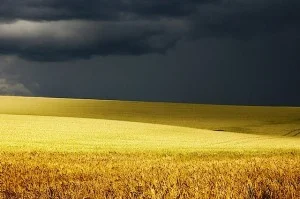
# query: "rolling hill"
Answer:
x=95 y=125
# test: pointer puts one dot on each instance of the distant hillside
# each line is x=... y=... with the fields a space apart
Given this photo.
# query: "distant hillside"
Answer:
x=283 y=121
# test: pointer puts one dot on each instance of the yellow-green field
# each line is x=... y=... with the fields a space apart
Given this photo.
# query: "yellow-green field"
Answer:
x=63 y=148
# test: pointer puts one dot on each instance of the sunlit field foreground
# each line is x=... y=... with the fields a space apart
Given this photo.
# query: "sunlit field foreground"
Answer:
x=59 y=148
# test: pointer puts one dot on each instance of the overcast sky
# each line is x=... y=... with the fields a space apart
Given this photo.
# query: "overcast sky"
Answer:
x=203 y=51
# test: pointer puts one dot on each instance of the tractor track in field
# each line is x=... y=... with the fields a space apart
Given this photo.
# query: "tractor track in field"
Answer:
x=243 y=140
x=293 y=133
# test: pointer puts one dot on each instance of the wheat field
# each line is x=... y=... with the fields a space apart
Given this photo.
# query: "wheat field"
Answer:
x=64 y=148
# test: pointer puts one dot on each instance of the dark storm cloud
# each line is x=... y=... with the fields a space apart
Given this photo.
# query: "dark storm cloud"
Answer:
x=79 y=29
x=95 y=9
x=205 y=51
x=65 y=40
x=58 y=10
x=243 y=19
x=60 y=30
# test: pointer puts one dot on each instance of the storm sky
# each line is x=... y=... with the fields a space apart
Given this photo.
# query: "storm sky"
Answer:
x=200 y=51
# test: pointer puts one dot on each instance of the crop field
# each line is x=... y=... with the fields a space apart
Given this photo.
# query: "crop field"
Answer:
x=67 y=148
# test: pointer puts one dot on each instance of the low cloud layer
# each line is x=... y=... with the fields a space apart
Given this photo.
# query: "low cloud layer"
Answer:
x=10 y=79
x=12 y=88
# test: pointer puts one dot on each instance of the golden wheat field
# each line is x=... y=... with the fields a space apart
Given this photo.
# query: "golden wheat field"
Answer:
x=65 y=148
